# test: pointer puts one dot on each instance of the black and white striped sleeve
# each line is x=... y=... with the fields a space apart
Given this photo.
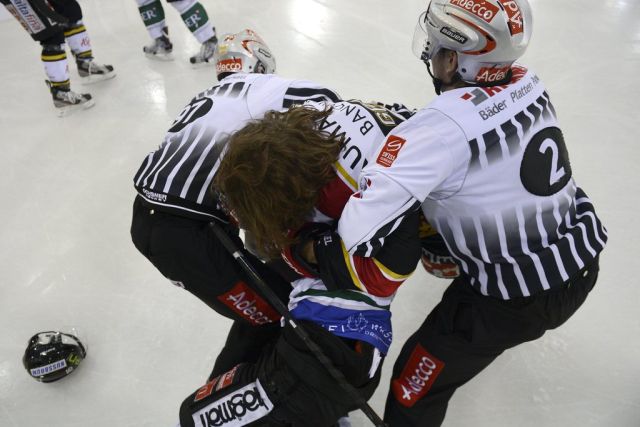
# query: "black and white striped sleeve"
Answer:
x=301 y=91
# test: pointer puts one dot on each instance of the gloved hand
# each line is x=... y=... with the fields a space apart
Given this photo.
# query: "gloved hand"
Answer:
x=440 y=266
x=436 y=258
x=293 y=255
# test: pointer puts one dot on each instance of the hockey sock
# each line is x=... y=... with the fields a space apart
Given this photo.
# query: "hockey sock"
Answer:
x=195 y=18
x=152 y=15
x=54 y=58
x=79 y=42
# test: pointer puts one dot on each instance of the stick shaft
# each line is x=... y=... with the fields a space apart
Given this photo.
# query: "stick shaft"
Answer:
x=337 y=375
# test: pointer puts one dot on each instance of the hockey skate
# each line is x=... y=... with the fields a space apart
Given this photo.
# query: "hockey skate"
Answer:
x=161 y=48
x=206 y=51
x=90 y=72
x=67 y=102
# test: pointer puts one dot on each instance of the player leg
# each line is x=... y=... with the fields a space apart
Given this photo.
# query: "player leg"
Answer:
x=80 y=43
x=244 y=344
x=286 y=386
x=152 y=14
x=46 y=26
x=464 y=333
x=196 y=19
x=435 y=361
x=187 y=253
x=237 y=397
x=54 y=59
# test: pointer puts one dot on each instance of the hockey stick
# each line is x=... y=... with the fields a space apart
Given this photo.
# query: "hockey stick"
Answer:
x=299 y=330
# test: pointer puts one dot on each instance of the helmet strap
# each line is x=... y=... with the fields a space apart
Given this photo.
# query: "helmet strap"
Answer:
x=439 y=83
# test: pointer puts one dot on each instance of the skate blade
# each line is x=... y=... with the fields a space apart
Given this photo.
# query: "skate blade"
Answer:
x=96 y=78
x=163 y=57
x=69 y=110
x=201 y=64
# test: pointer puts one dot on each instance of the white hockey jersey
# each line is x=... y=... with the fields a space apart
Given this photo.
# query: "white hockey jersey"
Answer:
x=491 y=170
x=177 y=176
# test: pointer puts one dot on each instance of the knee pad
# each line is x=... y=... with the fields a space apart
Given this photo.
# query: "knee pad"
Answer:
x=56 y=39
x=51 y=49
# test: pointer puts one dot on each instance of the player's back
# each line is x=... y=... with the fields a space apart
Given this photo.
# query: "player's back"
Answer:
x=177 y=176
x=517 y=220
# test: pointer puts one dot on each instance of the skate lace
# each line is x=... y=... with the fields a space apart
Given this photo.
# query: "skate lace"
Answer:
x=96 y=68
x=72 y=97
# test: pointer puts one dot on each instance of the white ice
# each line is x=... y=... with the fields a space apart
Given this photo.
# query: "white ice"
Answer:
x=66 y=191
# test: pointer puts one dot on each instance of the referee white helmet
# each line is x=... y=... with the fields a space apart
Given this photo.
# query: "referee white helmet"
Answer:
x=243 y=52
x=488 y=35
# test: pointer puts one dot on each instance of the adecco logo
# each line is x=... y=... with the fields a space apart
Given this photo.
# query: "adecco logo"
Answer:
x=232 y=65
x=482 y=9
x=492 y=74
x=249 y=305
x=417 y=377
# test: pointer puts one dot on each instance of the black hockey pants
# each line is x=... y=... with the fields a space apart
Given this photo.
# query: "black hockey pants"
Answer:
x=463 y=334
x=187 y=253
x=286 y=386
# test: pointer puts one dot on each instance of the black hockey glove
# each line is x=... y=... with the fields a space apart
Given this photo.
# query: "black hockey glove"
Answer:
x=293 y=254
x=436 y=258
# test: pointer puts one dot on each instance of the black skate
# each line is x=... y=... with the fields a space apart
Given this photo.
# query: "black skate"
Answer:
x=206 y=52
x=90 y=72
x=66 y=101
x=161 y=48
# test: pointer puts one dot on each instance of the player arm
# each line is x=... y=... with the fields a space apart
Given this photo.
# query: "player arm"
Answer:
x=399 y=109
x=300 y=91
x=413 y=161
x=321 y=253
x=380 y=275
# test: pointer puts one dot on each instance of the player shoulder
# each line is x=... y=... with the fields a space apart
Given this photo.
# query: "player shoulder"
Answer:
x=428 y=122
x=256 y=80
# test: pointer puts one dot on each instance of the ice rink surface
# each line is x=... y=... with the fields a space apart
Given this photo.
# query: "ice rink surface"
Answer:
x=66 y=192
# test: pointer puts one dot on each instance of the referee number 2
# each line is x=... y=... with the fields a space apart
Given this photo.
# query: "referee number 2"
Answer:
x=545 y=167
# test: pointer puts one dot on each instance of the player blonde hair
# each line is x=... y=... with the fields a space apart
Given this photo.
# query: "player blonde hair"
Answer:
x=272 y=172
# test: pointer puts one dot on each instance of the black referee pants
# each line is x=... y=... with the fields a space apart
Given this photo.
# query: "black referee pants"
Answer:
x=187 y=253
x=463 y=334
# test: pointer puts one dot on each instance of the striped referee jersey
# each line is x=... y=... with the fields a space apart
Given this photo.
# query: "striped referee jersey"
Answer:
x=490 y=169
x=177 y=176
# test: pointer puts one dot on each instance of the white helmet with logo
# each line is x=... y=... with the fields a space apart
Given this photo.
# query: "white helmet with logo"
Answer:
x=244 y=52
x=488 y=35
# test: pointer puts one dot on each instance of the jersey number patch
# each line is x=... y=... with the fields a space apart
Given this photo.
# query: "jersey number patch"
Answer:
x=193 y=111
x=545 y=167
